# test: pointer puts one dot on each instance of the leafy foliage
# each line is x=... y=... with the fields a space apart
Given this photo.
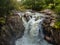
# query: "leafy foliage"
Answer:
x=5 y=9
x=8 y=5
x=44 y=4
x=57 y=25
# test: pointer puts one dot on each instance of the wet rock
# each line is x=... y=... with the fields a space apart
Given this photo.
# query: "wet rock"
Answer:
x=48 y=28
x=13 y=30
x=48 y=23
x=27 y=16
x=47 y=11
x=56 y=35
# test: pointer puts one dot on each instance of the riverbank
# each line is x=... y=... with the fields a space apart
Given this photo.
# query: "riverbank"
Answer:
x=16 y=28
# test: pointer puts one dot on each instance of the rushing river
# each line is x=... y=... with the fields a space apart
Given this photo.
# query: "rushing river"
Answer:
x=33 y=34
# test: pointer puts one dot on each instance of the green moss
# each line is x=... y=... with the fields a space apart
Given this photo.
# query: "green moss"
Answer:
x=2 y=20
x=57 y=24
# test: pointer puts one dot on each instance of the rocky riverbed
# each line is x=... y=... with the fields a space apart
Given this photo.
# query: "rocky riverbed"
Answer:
x=14 y=28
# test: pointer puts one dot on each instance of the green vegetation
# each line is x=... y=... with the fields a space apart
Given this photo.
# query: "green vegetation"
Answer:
x=44 y=4
x=57 y=25
x=6 y=6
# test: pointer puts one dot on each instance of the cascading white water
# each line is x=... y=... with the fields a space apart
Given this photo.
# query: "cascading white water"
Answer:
x=32 y=36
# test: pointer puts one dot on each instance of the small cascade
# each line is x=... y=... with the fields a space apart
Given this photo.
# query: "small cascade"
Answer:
x=33 y=34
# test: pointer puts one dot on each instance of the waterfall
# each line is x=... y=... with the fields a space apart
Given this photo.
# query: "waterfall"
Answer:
x=33 y=34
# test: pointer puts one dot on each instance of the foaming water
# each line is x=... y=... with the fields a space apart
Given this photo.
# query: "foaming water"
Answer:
x=33 y=34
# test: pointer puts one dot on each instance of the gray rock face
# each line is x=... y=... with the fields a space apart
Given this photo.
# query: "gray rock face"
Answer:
x=13 y=30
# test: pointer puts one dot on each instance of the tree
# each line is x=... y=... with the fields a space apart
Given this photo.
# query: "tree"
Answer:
x=34 y=5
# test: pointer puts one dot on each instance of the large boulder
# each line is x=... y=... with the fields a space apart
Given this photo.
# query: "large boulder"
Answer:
x=13 y=30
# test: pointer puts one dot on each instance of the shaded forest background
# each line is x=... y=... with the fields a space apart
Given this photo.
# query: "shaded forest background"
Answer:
x=6 y=7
